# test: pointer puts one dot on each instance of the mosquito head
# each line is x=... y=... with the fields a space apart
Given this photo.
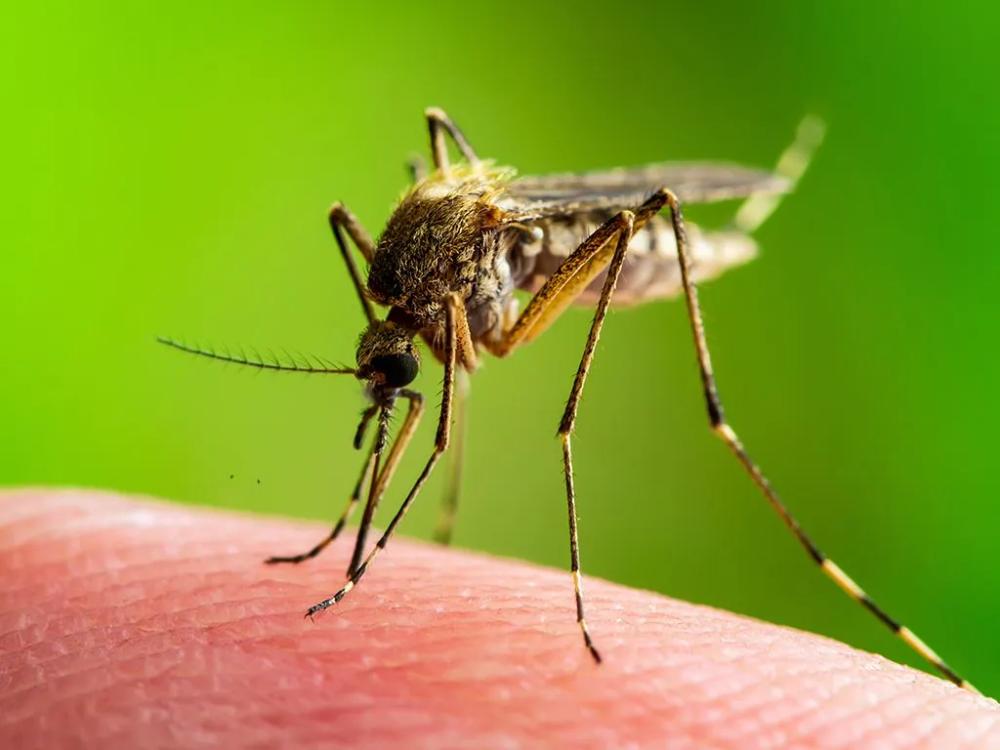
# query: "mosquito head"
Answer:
x=387 y=358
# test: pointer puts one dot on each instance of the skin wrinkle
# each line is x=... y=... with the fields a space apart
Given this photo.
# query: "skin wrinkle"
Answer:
x=852 y=726
x=218 y=650
x=912 y=712
x=846 y=727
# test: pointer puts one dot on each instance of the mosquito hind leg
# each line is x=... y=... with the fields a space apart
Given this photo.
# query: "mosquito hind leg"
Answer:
x=438 y=123
x=722 y=428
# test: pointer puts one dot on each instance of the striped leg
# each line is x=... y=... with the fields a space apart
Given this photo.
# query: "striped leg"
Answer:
x=454 y=309
x=728 y=435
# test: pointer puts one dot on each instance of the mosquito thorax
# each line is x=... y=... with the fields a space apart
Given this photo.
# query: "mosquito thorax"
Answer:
x=431 y=242
x=387 y=357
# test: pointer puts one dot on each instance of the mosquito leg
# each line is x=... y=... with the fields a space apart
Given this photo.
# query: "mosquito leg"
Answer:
x=562 y=287
x=372 y=503
x=453 y=310
x=467 y=361
x=569 y=416
x=345 y=516
x=573 y=275
x=438 y=123
x=449 y=508
x=341 y=218
x=366 y=469
x=384 y=476
x=728 y=435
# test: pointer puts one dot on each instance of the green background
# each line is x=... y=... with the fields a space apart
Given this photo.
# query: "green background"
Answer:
x=168 y=170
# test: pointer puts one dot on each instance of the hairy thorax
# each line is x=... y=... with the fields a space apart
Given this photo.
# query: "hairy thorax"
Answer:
x=445 y=237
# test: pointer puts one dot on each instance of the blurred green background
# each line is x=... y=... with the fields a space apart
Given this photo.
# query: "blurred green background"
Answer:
x=168 y=171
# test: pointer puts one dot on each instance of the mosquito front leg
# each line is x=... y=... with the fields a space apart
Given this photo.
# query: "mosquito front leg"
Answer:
x=385 y=474
x=728 y=435
x=341 y=218
x=371 y=504
x=345 y=516
x=454 y=308
x=437 y=124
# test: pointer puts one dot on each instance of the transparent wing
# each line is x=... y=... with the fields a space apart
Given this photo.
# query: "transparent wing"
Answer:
x=617 y=189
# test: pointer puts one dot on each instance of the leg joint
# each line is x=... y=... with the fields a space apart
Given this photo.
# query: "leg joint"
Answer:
x=416 y=398
x=435 y=113
x=337 y=213
x=565 y=428
x=624 y=221
x=724 y=431
x=668 y=196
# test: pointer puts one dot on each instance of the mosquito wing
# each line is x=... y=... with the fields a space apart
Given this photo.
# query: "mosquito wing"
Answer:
x=618 y=189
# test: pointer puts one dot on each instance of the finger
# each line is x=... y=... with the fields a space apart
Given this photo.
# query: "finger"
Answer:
x=128 y=623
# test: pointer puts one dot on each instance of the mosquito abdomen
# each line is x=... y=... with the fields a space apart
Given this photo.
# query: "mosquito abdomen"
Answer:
x=651 y=269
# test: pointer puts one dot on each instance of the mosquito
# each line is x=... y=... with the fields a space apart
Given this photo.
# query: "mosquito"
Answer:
x=464 y=237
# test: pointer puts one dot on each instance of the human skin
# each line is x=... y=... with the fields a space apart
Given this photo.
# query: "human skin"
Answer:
x=126 y=622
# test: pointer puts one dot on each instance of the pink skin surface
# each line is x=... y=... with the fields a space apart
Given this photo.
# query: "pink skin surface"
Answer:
x=131 y=623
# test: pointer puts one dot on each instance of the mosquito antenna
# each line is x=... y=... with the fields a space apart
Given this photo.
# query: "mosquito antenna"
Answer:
x=255 y=360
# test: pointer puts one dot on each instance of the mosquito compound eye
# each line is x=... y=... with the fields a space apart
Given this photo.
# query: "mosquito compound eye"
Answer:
x=397 y=370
